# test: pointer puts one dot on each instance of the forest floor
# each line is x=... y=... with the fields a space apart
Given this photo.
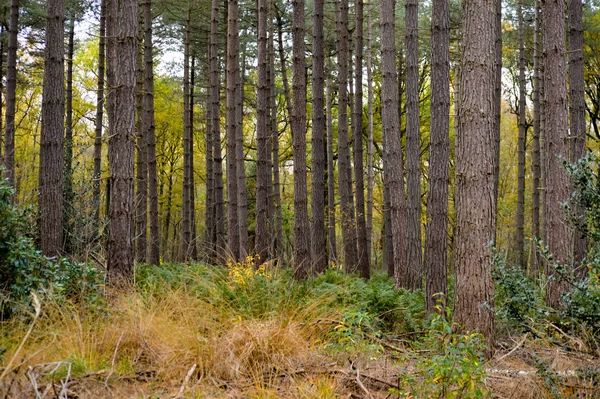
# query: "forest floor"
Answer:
x=193 y=332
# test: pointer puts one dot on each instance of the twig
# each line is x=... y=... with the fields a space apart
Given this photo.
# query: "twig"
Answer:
x=513 y=349
x=38 y=311
x=360 y=384
x=112 y=365
x=185 y=382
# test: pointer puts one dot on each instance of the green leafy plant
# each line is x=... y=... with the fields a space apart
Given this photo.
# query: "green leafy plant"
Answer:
x=452 y=364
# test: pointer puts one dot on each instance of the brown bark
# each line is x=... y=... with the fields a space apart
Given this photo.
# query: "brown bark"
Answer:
x=344 y=167
x=436 y=231
x=219 y=216
x=577 y=117
x=122 y=25
x=534 y=265
x=319 y=239
x=210 y=228
x=68 y=143
x=141 y=196
x=331 y=236
x=233 y=73
x=557 y=182
x=149 y=125
x=475 y=171
x=11 y=91
x=302 y=259
x=357 y=130
x=497 y=94
x=284 y=77
x=522 y=140
x=51 y=146
x=99 y=116
x=370 y=139
x=393 y=170
x=413 y=149
x=262 y=135
x=186 y=218
x=241 y=171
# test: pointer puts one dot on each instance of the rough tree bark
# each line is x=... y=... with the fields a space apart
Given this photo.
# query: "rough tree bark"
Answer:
x=413 y=149
x=240 y=168
x=319 y=244
x=534 y=265
x=11 y=91
x=522 y=140
x=122 y=22
x=436 y=231
x=331 y=236
x=233 y=73
x=344 y=167
x=186 y=217
x=475 y=171
x=51 y=146
x=141 y=172
x=262 y=135
x=393 y=170
x=577 y=116
x=557 y=141
x=370 y=143
x=357 y=130
x=99 y=117
x=150 y=134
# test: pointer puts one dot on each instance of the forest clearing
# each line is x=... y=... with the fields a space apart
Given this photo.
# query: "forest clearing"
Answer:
x=299 y=199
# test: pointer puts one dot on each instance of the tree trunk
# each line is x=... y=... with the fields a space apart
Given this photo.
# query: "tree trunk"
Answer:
x=11 y=91
x=393 y=169
x=284 y=77
x=219 y=216
x=522 y=140
x=262 y=135
x=122 y=23
x=436 y=231
x=210 y=228
x=370 y=143
x=319 y=239
x=302 y=261
x=344 y=168
x=186 y=218
x=497 y=96
x=150 y=134
x=99 y=117
x=141 y=197
x=413 y=149
x=331 y=236
x=534 y=265
x=278 y=244
x=241 y=170
x=68 y=143
x=577 y=117
x=233 y=73
x=557 y=135
x=357 y=130
x=51 y=146
x=193 y=237
x=475 y=171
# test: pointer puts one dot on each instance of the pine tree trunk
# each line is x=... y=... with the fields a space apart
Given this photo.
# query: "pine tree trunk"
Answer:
x=68 y=143
x=475 y=171
x=241 y=170
x=262 y=135
x=577 y=117
x=141 y=197
x=436 y=231
x=284 y=77
x=331 y=236
x=219 y=215
x=210 y=228
x=51 y=146
x=233 y=73
x=122 y=25
x=534 y=265
x=319 y=238
x=393 y=169
x=557 y=181
x=194 y=236
x=186 y=220
x=413 y=149
x=497 y=96
x=302 y=261
x=370 y=140
x=522 y=140
x=344 y=168
x=357 y=130
x=278 y=244
x=99 y=117
x=150 y=134
x=11 y=91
